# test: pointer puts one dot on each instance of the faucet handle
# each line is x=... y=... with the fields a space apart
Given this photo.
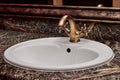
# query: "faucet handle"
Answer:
x=67 y=31
x=91 y=27
x=84 y=30
x=60 y=30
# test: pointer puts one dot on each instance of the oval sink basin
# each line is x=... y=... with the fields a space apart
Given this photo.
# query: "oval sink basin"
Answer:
x=58 y=54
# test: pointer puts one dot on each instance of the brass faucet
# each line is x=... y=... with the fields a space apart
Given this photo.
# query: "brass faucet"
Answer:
x=74 y=33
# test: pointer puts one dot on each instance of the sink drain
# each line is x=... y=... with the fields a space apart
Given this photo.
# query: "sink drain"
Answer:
x=68 y=50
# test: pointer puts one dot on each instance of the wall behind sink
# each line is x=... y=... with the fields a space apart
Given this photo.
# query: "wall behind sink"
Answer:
x=37 y=20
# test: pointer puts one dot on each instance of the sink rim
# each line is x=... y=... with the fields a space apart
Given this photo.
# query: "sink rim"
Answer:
x=55 y=69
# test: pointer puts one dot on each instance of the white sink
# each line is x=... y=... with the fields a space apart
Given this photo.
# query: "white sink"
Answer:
x=58 y=54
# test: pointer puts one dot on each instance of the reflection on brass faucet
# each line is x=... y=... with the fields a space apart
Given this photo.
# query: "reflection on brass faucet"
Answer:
x=74 y=33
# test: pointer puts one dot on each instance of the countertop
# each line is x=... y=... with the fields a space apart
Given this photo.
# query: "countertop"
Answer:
x=108 y=71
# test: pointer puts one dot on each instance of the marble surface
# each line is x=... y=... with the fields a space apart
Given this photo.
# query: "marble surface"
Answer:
x=84 y=13
x=15 y=30
x=20 y=23
x=101 y=31
x=109 y=71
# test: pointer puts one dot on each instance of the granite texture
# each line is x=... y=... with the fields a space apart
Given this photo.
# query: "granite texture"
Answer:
x=20 y=23
x=16 y=30
x=100 y=31
x=109 y=71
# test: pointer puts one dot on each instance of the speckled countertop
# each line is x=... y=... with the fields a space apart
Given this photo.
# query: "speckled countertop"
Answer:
x=109 y=71
x=20 y=23
x=15 y=30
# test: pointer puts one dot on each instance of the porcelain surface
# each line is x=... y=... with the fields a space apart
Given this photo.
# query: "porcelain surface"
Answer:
x=58 y=54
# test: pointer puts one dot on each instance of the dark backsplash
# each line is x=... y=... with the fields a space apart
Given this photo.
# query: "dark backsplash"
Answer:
x=101 y=31
x=44 y=19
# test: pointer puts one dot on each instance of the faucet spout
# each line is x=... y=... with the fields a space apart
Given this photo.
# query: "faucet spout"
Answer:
x=73 y=33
